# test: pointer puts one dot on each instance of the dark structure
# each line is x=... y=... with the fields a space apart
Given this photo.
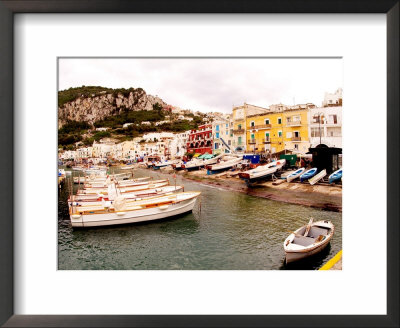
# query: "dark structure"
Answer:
x=324 y=157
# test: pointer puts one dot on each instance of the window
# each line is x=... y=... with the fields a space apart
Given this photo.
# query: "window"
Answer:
x=239 y=140
x=288 y=135
x=296 y=134
x=266 y=136
x=267 y=121
x=226 y=132
x=217 y=127
x=239 y=126
x=217 y=135
x=296 y=146
x=226 y=125
x=252 y=123
x=279 y=120
x=279 y=133
x=252 y=136
x=315 y=132
x=229 y=142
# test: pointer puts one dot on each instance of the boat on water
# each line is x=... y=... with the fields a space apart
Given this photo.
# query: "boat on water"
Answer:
x=308 y=174
x=227 y=163
x=335 y=176
x=85 y=200
x=99 y=191
x=308 y=240
x=121 y=212
x=317 y=177
x=295 y=174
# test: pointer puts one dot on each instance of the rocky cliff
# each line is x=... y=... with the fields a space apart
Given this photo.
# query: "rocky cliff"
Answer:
x=95 y=107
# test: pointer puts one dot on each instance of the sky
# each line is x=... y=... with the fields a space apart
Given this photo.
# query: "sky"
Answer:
x=210 y=84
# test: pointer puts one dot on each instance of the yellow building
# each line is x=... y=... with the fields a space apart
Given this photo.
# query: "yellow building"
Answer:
x=239 y=117
x=275 y=131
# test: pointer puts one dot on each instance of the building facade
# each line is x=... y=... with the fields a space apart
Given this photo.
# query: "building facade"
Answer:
x=325 y=126
x=200 y=140
x=222 y=135
x=239 y=116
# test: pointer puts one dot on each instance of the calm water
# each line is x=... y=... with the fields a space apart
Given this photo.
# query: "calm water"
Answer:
x=233 y=231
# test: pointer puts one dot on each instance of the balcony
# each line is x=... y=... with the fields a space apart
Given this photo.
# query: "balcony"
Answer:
x=252 y=141
x=293 y=123
x=238 y=131
x=260 y=126
x=267 y=141
x=296 y=138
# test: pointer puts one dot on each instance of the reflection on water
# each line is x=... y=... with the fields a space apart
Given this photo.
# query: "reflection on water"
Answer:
x=230 y=230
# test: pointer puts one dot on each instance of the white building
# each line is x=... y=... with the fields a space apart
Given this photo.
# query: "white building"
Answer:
x=84 y=152
x=333 y=99
x=325 y=126
x=146 y=123
x=126 y=125
x=102 y=129
x=103 y=150
x=68 y=155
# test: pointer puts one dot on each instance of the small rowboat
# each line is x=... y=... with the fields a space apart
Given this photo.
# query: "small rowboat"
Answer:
x=317 y=177
x=295 y=174
x=308 y=240
x=308 y=174
x=336 y=175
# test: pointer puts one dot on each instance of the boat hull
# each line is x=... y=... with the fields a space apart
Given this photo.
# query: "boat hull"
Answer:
x=143 y=215
x=296 y=256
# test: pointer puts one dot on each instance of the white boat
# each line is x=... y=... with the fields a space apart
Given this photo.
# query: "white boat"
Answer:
x=308 y=240
x=224 y=165
x=159 y=165
x=121 y=212
x=194 y=164
x=317 y=177
x=294 y=175
x=259 y=173
x=122 y=184
x=91 y=200
x=104 y=191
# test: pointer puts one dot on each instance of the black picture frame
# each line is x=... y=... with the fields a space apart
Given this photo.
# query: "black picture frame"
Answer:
x=10 y=7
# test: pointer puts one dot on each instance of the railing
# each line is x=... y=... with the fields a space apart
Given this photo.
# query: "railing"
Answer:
x=296 y=139
x=260 y=126
x=293 y=123
x=252 y=141
x=267 y=141
x=238 y=131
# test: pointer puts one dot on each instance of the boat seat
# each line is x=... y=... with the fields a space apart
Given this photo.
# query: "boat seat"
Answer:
x=317 y=231
x=303 y=241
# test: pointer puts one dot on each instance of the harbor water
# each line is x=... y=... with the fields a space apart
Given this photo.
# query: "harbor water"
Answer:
x=227 y=230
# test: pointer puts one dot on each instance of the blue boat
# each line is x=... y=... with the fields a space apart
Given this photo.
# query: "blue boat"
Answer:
x=336 y=175
x=308 y=174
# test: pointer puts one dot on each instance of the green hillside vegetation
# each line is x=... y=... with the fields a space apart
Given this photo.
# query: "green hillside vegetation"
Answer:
x=71 y=94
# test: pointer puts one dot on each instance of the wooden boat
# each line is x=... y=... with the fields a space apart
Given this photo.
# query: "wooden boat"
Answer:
x=295 y=174
x=308 y=174
x=159 y=165
x=121 y=184
x=121 y=212
x=194 y=164
x=308 y=240
x=335 y=176
x=104 y=191
x=317 y=177
x=224 y=165
x=86 y=200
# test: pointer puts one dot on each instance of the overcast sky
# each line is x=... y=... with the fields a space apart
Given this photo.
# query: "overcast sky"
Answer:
x=211 y=84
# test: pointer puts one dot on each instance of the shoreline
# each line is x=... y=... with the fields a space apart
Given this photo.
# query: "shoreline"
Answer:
x=328 y=198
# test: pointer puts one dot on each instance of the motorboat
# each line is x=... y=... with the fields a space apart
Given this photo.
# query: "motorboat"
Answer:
x=99 y=191
x=123 y=212
x=308 y=240
x=226 y=164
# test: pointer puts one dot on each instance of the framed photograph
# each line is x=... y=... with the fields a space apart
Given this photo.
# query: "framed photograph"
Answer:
x=199 y=154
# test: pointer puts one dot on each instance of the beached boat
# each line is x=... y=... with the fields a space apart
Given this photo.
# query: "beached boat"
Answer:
x=308 y=240
x=223 y=165
x=192 y=165
x=295 y=174
x=121 y=212
x=308 y=174
x=123 y=183
x=317 y=177
x=159 y=165
x=79 y=200
x=259 y=173
x=335 y=176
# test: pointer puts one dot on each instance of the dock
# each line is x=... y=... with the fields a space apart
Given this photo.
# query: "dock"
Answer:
x=335 y=263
